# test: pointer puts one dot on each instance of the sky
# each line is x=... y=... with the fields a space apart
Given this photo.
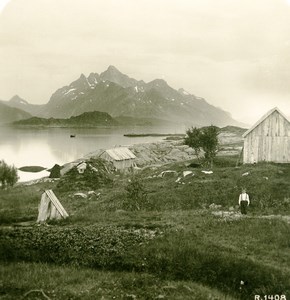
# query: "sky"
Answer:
x=233 y=53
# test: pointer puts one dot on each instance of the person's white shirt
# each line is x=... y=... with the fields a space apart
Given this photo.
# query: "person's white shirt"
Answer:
x=244 y=197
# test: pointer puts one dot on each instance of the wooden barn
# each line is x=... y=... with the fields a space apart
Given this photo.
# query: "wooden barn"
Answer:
x=269 y=139
x=121 y=157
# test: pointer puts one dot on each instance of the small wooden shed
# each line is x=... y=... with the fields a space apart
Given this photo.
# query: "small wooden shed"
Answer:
x=121 y=157
x=268 y=139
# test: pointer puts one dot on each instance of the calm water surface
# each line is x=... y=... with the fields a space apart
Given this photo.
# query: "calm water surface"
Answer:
x=46 y=147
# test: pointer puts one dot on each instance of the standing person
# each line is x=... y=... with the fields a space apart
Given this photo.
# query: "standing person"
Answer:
x=244 y=201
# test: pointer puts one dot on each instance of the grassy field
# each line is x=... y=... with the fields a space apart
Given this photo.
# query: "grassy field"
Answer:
x=174 y=247
x=34 y=279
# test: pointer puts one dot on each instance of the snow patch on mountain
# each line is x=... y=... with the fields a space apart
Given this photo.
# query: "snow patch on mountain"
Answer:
x=69 y=91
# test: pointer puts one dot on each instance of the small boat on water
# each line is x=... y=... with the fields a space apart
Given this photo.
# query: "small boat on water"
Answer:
x=72 y=135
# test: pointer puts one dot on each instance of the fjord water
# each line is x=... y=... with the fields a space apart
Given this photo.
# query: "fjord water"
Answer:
x=48 y=146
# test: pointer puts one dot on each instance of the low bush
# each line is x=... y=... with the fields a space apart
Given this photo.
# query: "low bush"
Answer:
x=136 y=195
x=92 y=246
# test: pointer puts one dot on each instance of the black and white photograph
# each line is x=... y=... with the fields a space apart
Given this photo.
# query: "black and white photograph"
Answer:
x=145 y=149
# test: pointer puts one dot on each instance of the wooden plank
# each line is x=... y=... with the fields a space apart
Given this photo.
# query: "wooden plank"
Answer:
x=43 y=208
x=56 y=203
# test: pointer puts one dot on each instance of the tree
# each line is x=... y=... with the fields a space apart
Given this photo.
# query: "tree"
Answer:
x=209 y=142
x=8 y=174
x=193 y=140
x=205 y=138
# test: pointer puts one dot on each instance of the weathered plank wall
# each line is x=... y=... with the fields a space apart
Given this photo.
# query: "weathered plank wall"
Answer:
x=269 y=141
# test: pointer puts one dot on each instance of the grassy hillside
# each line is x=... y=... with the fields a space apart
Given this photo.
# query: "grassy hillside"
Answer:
x=175 y=246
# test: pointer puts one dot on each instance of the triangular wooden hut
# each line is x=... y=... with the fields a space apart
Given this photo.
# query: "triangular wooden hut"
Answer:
x=268 y=139
x=50 y=208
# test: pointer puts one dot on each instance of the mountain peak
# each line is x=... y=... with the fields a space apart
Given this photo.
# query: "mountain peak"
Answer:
x=113 y=68
x=81 y=83
x=17 y=100
x=111 y=72
x=114 y=75
x=158 y=82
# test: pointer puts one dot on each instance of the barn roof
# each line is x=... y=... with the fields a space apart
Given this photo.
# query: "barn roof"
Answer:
x=263 y=118
x=120 y=153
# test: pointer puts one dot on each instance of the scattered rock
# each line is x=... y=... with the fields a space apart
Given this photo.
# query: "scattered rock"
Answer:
x=167 y=173
x=207 y=172
x=44 y=179
x=186 y=173
x=161 y=152
x=178 y=179
x=81 y=195
x=91 y=193
x=214 y=206
x=228 y=215
x=131 y=296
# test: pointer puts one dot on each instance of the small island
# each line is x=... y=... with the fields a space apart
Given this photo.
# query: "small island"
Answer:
x=87 y=119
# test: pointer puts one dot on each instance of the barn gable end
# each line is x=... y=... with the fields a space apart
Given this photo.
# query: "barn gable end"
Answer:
x=268 y=139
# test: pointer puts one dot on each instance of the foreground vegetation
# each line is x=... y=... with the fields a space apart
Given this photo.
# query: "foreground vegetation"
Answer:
x=171 y=247
x=19 y=279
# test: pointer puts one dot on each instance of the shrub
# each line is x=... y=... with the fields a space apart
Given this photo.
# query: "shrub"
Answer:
x=136 y=194
x=92 y=246
x=8 y=174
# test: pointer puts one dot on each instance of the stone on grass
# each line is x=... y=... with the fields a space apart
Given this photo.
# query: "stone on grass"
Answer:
x=81 y=195
x=186 y=173
x=207 y=172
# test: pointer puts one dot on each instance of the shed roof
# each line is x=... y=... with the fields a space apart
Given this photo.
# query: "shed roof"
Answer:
x=263 y=118
x=120 y=153
x=81 y=165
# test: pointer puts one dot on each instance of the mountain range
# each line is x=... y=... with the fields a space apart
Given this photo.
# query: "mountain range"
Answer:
x=121 y=96
x=10 y=114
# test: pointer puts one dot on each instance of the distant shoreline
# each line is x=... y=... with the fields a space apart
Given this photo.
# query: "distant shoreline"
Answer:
x=61 y=126
x=153 y=134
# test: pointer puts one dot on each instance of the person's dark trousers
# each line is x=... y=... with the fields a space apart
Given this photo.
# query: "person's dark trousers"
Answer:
x=244 y=205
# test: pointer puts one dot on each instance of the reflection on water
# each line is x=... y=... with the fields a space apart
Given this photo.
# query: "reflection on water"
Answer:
x=27 y=176
x=46 y=147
